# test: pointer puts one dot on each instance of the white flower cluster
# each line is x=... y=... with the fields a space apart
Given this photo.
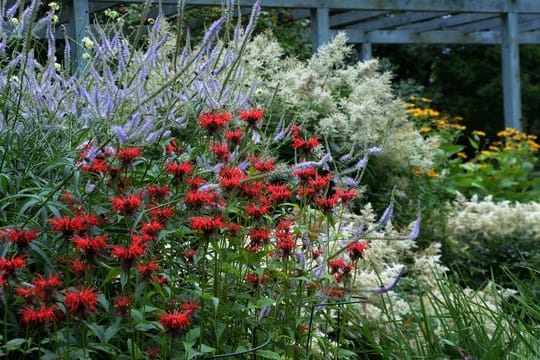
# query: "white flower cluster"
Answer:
x=485 y=219
x=388 y=253
x=352 y=104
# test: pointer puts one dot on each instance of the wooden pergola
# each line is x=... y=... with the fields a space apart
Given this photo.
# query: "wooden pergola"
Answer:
x=507 y=23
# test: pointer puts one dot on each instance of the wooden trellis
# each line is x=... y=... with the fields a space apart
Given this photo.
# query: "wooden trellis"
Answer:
x=507 y=23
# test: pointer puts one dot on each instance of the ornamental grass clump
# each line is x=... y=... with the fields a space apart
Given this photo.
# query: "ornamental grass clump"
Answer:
x=146 y=210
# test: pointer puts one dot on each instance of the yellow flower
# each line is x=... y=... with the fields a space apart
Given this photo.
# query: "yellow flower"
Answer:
x=493 y=148
x=479 y=133
x=426 y=100
x=432 y=173
x=418 y=171
x=485 y=153
x=462 y=155
x=425 y=129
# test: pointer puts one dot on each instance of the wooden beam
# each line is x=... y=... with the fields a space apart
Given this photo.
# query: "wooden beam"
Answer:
x=394 y=20
x=353 y=16
x=486 y=6
x=446 y=21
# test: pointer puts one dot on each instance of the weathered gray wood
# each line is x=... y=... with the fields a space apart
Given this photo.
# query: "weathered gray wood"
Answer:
x=354 y=16
x=366 y=51
x=79 y=21
x=449 y=20
x=394 y=20
x=511 y=73
x=486 y=6
x=320 y=26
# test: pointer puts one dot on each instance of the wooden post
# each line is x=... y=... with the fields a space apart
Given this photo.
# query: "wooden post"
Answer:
x=320 y=26
x=510 y=68
x=79 y=19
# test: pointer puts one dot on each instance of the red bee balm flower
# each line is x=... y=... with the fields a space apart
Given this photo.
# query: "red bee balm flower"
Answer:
x=129 y=154
x=252 y=116
x=38 y=318
x=45 y=288
x=305 y=145
x=146 y=270
x=356 y=250
x=79 y=302
x=234 y=136
x=122 y=304
x=179 y=170
x=90 y=246
x=206 y=224
x=158 y=192
x=19 y=236
x=127 y=255
x=221 y=151
x=176 y=321
x=9 y=266
x=127 y=205
x=214 y=122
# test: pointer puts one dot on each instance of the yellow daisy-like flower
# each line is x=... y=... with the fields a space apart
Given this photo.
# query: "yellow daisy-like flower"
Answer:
x=418 y=171
x=432 y=173
x=462 y=155
x=485 y=153
x=479 y=133
x=425 y=129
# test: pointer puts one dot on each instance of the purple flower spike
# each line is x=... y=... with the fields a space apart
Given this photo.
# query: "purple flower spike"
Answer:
x=415 y=230
x=387 y=287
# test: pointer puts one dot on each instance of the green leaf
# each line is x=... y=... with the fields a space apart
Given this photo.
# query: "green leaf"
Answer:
x=15 y=344
x=111 y=332
x=97 y=330
x=267 y=354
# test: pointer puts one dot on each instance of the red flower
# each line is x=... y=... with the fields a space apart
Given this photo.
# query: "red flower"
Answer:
x=38 y=318
x=128 y=255
x=158 y=192
x=214 y=122
x=78 y=266
x=90 y=246
x=278 y=193
x=336 y=265
x=173 y=147
x=257 y=211
x=262 y=165
x=122 y=304
x=305 y=145
x=197 y=199
x=80 y=302
x=285 y=236
x=126 y=205
x=234 y=136
x=152 y=228
x=252 y=116
x=346 y=195
x=206 y=224
x=189 y=254
x=69 y=225
x=175 y=322
x=356 y=250
x=127 y=155
x=20 y=237
x=96 y=166
x=255 y=279
x=316 y=252
x=221 y=151
x=179 y=170
x=230 y=178
x=146 y=270
x=320 y=183
x=161 y=214
x=252 y=189
x=305 y=174
x=259 y=236
x=327 y=205
x=45 y=288
x=9 y=266
x=195 y=182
